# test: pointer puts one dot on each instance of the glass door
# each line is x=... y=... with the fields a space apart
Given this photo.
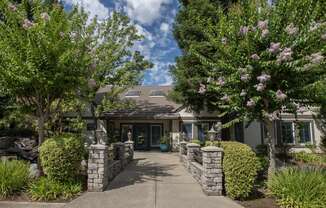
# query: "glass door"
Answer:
x=156 y=134
x=141 y=136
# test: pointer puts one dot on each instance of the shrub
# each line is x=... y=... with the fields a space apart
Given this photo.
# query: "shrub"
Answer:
x=240 y=166
x=13 y=177
x=197 y=141
x=46 y=189
x=61 y=157
x=312 y=158
x=299 y=188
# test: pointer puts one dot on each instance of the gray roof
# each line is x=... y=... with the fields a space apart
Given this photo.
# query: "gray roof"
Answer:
x=145 y=105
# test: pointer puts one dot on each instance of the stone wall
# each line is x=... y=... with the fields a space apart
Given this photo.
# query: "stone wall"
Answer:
x=101 y=170
x=210 y=173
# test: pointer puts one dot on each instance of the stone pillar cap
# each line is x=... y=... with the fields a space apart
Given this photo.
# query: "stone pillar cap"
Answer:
x=98 y=146
x=212 y=149
x=129 y=142
x=193 y=145
x=183 y=142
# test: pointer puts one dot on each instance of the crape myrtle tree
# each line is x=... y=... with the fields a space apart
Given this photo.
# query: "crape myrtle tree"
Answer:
x=267 y=60
x=49 y=55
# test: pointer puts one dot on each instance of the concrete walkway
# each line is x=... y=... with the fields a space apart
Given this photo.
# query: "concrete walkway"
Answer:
x=152 y=180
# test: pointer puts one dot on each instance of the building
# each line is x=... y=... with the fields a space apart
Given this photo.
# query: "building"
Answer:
x=153 y=115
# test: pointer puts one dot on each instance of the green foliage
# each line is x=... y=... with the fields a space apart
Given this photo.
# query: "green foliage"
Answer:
x=197 y=141
x=14 y=176
x=299 y=188
x=240 y=166
x=312 y=158
x=165 y=140
x=45 y=189
x=61 y=157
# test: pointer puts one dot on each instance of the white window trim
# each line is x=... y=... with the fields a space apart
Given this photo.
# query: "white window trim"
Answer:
x=310 y=128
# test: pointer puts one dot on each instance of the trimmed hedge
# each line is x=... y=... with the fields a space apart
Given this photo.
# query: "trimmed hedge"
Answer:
x=299 y=188
x=14 y=176
x=240 y=167
x=61 y=157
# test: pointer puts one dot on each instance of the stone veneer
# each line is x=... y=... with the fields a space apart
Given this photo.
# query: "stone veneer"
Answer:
x=101 y=170
x=210 y=173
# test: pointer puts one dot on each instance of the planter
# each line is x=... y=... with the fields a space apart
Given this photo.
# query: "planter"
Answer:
x=164 y=147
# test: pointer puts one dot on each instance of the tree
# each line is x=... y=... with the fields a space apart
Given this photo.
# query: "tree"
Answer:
x=49 y=56
x=266 y=60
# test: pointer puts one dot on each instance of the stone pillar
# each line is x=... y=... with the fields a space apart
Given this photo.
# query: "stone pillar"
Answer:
x=120 y=147
x=181 y=150
x=212 y=176
x=129 y=145
x=191 y=148
x=97 y=168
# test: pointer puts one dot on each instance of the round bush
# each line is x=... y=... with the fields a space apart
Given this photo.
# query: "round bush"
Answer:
x=61 y=157
x=240 y=167
x=14 y=177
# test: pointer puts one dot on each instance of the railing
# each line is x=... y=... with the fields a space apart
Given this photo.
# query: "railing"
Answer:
x=198 y=156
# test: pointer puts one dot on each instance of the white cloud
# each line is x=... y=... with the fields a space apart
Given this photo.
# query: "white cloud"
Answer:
x=159 y=74
x=145 y=11
x=92 y=7
x=164 y=27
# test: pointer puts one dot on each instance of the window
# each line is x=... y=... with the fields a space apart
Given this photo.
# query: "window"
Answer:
x=157 y=93
x=304 y=132
x=203 y=128
x=287 y=132
x=133 y=94
x=187 y=129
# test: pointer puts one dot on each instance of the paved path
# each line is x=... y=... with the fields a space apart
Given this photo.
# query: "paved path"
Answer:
x=152 y=180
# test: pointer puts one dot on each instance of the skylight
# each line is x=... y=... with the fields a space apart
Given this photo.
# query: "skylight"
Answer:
x=157 y=93
x=132 y=94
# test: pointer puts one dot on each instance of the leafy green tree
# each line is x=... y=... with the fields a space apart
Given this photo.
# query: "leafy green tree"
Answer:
x=50 y=56
x=265 y=60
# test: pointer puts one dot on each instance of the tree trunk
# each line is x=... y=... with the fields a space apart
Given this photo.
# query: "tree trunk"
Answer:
x=40 y=129
x=271 y=146
x=95 y=122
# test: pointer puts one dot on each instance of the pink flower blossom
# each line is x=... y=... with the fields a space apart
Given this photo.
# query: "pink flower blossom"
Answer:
x=301 y=109
x=280 y=95
x=260 y=87
x=45 y=16
x=291 y=29
x=245 y=77
x=225 y=98
x=243 y=30
x=243 y=93
x=12 y=7
x=274 y=47
x=202 y=89
x=263 y=25
x=27 y=24
x=285 y=55
x=251 y=103
x=255 y=57
x=221 y=81
x=314 y=26
x=263 y=78
x=264 y=33
x=316 y=58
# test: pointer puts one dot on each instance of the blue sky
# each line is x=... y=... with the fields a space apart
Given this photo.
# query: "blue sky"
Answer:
x=154 y=20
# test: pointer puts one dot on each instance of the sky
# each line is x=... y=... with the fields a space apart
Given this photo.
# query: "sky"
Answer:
x=154 y=20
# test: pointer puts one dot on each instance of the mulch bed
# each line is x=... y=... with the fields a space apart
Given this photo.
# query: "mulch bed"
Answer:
x=260 y=203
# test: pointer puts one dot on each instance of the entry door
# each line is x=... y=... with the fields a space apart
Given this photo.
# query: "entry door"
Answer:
x=156 y=134
x=141 y=136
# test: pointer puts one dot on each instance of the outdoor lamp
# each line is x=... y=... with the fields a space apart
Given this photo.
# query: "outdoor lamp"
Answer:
x=212 y=134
